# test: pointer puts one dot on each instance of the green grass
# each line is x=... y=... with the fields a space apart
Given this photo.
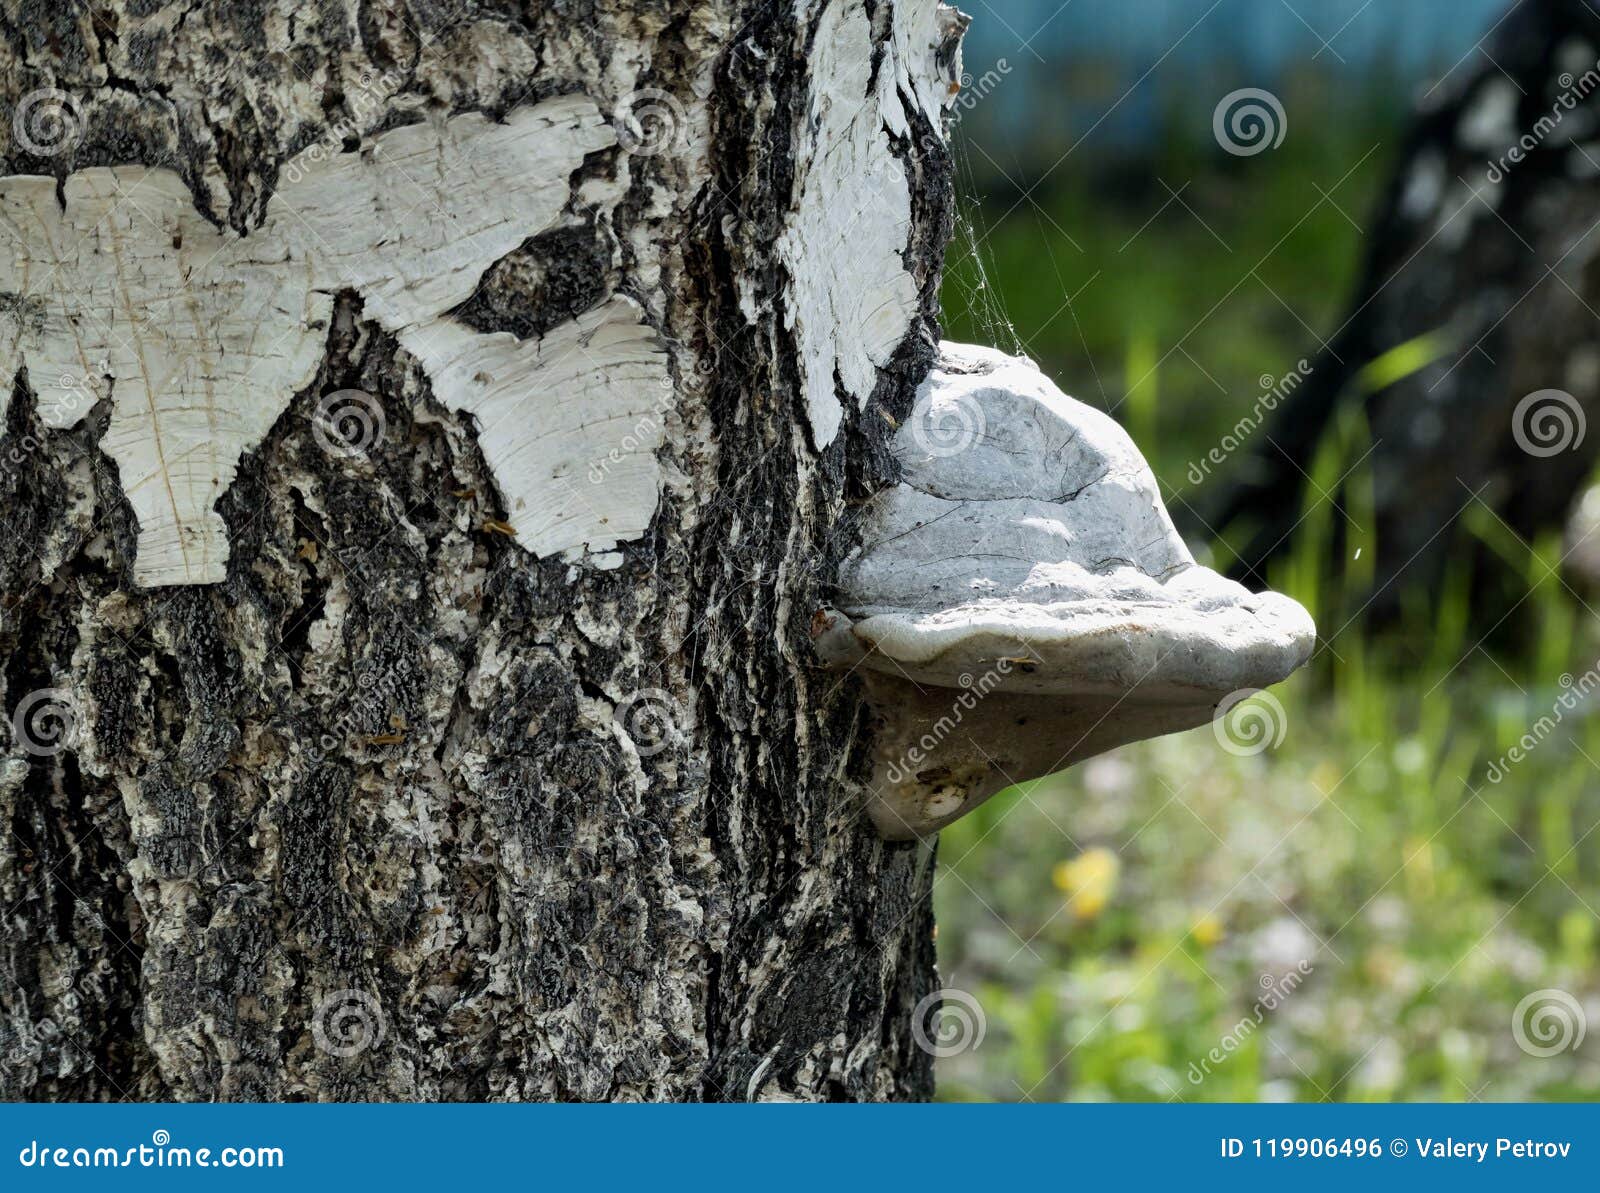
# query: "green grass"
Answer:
x=1166 y=290
x=1426 y=900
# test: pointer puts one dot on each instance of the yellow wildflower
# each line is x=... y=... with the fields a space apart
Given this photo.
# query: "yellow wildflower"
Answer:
x=1207 y=930
x=1088 y=881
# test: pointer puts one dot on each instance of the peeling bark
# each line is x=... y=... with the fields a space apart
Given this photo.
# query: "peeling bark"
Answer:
x=397 y=805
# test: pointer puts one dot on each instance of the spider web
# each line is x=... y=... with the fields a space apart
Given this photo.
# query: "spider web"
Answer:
x=968 y=293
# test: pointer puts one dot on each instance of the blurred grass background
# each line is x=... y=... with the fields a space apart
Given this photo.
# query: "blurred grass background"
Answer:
x=1119 y=921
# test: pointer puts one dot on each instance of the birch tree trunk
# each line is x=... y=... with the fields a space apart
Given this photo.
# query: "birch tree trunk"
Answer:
x=405 y=793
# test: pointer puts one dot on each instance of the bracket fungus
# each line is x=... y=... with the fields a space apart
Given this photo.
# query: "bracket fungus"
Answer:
x=1021 y=600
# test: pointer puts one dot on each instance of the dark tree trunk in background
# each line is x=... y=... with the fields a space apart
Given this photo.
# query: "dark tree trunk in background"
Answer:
x=247 y=876
x=1493 y=259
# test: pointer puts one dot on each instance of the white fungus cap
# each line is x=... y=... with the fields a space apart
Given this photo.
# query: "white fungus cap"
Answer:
x=1027 y=552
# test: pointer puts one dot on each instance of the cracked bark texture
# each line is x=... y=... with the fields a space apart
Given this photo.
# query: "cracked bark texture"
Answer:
x=378 y=816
